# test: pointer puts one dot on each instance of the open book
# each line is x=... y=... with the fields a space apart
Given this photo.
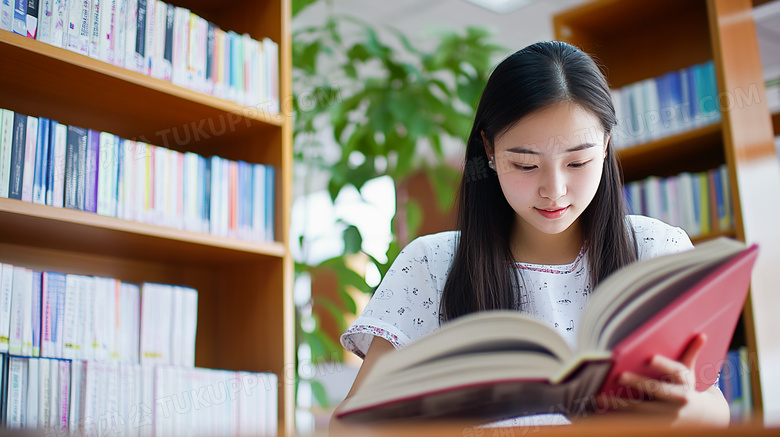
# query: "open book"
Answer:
x=500 y=364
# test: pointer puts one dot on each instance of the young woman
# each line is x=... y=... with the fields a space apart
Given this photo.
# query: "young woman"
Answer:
x=537 y=232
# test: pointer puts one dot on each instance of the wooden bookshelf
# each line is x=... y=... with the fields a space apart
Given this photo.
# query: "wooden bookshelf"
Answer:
x=245 y=306
x=640 y=39
x=776 y=123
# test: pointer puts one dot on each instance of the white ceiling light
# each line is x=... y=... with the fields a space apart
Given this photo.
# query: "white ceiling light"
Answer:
x=502 y=6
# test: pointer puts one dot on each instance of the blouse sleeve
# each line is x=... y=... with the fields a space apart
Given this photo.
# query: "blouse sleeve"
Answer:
x=655 y=238
x=405 y=305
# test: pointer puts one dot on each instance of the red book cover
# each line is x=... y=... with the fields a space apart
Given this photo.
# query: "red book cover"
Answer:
x=711 y=307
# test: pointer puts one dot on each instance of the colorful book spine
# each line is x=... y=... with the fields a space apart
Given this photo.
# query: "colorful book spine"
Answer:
x=6 y=147
x=91 y=171
x=41 y=161
x=31 y=141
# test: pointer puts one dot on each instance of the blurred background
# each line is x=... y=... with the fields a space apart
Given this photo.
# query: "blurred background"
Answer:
x=386 y=95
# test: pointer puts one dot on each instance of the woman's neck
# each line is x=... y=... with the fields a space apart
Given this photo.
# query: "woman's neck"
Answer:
x=534 y=247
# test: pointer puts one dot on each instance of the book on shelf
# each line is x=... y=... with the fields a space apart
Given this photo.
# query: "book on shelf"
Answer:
x=46 y=162
x=671 y=103
x=700 y=203
x=96 y=398
x=156 y=39
x=500 y=364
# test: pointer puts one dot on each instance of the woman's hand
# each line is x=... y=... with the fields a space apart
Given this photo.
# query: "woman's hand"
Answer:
x=674 y=401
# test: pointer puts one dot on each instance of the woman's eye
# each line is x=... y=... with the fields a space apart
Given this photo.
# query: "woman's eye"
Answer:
x=524 y=167
x=578 y=164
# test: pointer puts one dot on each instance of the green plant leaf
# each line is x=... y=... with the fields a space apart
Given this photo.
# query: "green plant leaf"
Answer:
x=334 y=310
x=353 y=241
x=444 y=180
x=414 y=217
x=299 y=5
x=318 y=390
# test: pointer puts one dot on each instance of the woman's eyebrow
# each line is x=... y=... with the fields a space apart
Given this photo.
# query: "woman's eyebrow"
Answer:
x=523 y=150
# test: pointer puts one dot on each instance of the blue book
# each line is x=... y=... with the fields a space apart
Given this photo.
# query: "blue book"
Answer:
x=41 y=161
x=36 y=313
x=662 y=86
x=20 y=17
x=711 y=83
x=16 y=175
x=91 y=173
x=205 y=192
x=720 y=205
x=269 y=202
x=53 y=302
x=736 y=402
x=696 y=187
x=52 y=162
x=676 y=99
x=691 y=97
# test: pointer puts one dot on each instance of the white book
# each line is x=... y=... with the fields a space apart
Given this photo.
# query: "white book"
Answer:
x=17 y=368
x=70 y=331
x=158 y=39
x=60 y=319
x=215 y=165
x=6 y=292
x=655 y=126
x=29 y=158
x=6 y=15
x=74 y=394
x=189 y=191
x=143 y=178
x=59 y=24
x=175 y=190
x=63 y=394
x=149 y=34
x=90 y=401
x=78 y=26
x=106 y=173
x=44 y=394
x=95 y=14
x=107 y=33
x=653 y=197
x=131 y=31
x=17 y=310
x=190 y=327
x=120 y=33
x=44 y=21
x=60 y=151
x=161 y=180
x=272 y=404
x=24 y=278
x=32 y=393
x=124 y=207
x=6 y=145
x=177 y=326
x=670 y=193
x=87 y=317
x=54 y=395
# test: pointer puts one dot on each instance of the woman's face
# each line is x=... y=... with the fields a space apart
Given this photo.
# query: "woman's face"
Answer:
x=549 y=167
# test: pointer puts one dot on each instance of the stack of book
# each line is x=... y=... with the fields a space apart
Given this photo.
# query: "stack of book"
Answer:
x=46 y=162
x=661 y=106
x=96 y=355
x=700 y=203
x=64 y=397
x=157 y=39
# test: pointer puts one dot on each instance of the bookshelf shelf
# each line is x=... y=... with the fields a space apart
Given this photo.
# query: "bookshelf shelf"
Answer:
x=695 y=150
x=158 y=106
x=246 y=317
x=731 y=233
x=639 y=39
x=80 y=231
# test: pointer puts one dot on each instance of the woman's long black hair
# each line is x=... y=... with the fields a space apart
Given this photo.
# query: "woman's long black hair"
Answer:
x=482 y=276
